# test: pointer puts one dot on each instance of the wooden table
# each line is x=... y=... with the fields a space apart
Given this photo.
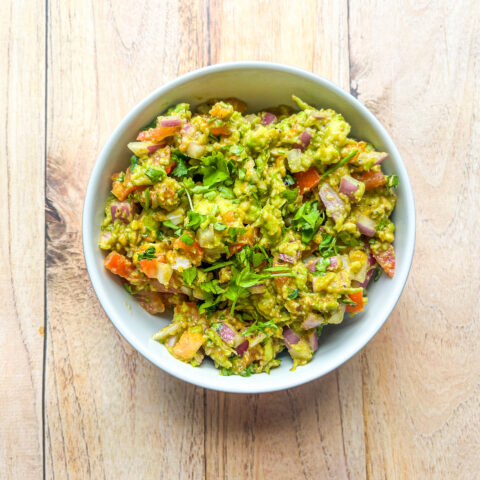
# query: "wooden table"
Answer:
x=76 y=400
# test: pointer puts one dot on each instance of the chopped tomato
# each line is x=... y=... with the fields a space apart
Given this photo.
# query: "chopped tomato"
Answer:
x=386 y=260
x=248 y=238
x=123 y=189
x=371 y=179
x=220 y=131
x=170 y=167
x=188 y=345
x=119 y=264
x=356 y=297
x=307 y=180
x=158 y=134
x=195 y=250
x=150 y=266
x=220 y=111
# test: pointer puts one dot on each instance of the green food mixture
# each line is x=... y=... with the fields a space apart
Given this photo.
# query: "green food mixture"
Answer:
x=260 y=229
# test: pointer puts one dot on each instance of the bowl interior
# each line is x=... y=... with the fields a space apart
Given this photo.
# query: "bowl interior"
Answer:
x=260 y=86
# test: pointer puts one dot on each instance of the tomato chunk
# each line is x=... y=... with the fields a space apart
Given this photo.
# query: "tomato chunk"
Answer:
x=119 y=264
x=220 y=131
x=158 y=134
x=371 y=179
x=386 y=260
x=307 y=180
x=194 y=250
x=356 y=297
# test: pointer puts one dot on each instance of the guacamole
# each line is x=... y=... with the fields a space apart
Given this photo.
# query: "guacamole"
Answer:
x=259 y=229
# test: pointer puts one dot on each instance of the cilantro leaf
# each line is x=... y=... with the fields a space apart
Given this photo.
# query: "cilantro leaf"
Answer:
x=294 y=294
x=194 y=220
x=189 y=275
x=187 y=239
x=290 y=195
x=219 y=226
x=148 y=254
x=133 y=161
x=215 y=169
x=155 y=174
x=181 y=169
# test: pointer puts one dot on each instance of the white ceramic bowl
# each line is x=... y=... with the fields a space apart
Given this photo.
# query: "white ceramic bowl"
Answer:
x=260 y=85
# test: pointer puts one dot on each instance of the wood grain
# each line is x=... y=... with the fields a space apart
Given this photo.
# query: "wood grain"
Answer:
x=22 y=223
x=408 y=406
x=109 y=412
x=421 y=375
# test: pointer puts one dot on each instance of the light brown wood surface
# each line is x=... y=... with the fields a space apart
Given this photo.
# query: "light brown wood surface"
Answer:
x=85 y=404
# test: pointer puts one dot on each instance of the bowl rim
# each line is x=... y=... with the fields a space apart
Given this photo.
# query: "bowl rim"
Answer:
x=94 y=179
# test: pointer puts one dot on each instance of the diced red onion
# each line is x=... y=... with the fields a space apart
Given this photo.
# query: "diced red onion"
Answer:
x=312 y=320
x=171 y=341
x=334 y=205
x=333 y=263
x=312 y=339
x=290 y=337
x=319 y=116
x=255 y=289
x=158 y=287
x=154 y=148
x=268 y=118
x=286 y=258
x=381 y=158
x=170 y=122
x=366 y=226
x=176 y=217
x=194 y=150
x=368 y=277
x=348 y=186
x=305 y=138
x=371 y=259
x=226 y=333
x=121 y=211
x=310 y=263
x=242 y=348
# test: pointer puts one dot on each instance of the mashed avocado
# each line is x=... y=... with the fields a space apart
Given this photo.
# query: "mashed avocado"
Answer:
x=258 y=228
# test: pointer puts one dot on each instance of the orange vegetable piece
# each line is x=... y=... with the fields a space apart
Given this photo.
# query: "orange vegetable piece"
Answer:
x=118 y=264
x=220 y=131
x=170 y=167
x=195 y=250
x=188 y=345
x=371 y=179
x=149 y=267
x=158 y=134
x=248 y=238
x=307 y=180
x=386 y=260
x=121 y=189
x=356 y=297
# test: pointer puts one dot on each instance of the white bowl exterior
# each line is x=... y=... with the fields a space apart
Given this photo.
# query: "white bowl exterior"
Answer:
x=260 y=85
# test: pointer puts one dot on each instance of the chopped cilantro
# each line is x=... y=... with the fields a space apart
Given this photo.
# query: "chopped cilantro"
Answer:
x=194 y=220
x=187 y=239
x=343 y=161
x=129 y=288
x=133 y=161
x=290 y=195
x=155 y=174
x=294 y=294
x=189 y=275
x=219 y=226
x=392 y=181
x=148 y=254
